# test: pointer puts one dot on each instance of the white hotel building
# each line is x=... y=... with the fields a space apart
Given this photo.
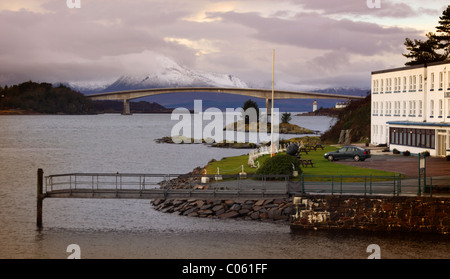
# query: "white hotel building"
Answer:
x=411 y=108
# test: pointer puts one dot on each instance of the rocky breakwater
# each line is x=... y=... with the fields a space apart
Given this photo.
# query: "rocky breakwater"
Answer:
x=265 y=209
x=270 y=209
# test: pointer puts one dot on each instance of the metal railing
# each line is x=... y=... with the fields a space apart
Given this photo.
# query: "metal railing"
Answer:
x=436 y=185
x=328 y=184
x=351 y=184
x=117 y=181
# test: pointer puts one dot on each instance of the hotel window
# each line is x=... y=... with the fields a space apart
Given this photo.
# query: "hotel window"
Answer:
x=432 y=82
x=414 y=82
x=381 y=108
x=410 y=83
x=448 y=80
x=387 y=86
x=432 y=108
x=381 y=85
x=420 y=82
x=420 y=108
x=441 y=80
x=414 y=108
x=448 y=113
x=441 y=108
x=404 y=108
x=410 y=108
x=424 y=138
x=404 y=84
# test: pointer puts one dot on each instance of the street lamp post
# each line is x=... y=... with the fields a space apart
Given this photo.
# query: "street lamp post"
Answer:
x=272 y=147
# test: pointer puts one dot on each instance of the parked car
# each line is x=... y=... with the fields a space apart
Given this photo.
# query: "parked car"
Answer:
x=348 y=152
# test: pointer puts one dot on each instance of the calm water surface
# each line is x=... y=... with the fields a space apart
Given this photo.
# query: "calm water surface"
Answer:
x=131 y=228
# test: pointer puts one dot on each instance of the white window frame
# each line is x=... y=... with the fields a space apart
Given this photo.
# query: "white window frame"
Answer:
x=420 y=82
x=432 y=81
x=432 y=108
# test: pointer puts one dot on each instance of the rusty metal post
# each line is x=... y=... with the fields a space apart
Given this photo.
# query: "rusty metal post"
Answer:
x=40 y=197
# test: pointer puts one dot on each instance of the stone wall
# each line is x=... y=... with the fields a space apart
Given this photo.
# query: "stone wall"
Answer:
x=381 y=213
x=327 y=212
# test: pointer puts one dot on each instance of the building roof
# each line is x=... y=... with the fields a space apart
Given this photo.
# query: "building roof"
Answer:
x=410 y=67
x=411 y=123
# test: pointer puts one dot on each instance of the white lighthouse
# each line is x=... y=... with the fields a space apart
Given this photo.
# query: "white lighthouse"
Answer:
x=314 y=106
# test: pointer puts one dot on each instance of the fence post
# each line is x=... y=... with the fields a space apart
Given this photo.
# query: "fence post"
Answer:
x=365 y=185
x=431 y=186
x=40 y=197
x=303 y=183
x=341 y=185
x=370 y=185
x=332 y=184
x=394 y=184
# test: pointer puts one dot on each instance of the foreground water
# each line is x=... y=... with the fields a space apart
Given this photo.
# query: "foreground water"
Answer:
x=131 y=228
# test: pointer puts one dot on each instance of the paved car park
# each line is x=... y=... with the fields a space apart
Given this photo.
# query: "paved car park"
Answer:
x=406 y=165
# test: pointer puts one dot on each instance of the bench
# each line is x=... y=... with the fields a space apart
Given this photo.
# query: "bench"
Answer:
x=305 y=163
x=303 y=149
x=319 y=146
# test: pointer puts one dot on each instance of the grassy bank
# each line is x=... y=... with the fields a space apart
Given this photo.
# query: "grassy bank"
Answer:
x=233 y=165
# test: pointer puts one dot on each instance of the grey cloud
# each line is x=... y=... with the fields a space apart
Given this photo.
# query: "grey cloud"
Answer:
x=360 y=8
x=316 y=31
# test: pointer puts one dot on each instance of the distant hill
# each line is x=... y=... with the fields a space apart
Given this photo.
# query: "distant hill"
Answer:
x=32 y=97
x=135 y=107
x=45 y=98
x=356 y=116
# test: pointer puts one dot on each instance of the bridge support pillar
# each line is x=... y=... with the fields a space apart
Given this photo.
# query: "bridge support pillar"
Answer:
x=40 y=197
x=126 y=107
x=269 y=109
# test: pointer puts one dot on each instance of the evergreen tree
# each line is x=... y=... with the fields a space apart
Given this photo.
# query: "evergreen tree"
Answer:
x=443 y=30
x=250 y=104
x=437 y=46
x=422 y=52
x=286 y=117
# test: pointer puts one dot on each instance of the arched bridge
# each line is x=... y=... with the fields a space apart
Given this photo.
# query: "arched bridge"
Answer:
x=128 y=95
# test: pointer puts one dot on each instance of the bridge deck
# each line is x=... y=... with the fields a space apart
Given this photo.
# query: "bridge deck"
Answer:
x=165 y=194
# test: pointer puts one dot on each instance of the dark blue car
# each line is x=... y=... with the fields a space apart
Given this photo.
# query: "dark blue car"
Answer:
x=348 y=152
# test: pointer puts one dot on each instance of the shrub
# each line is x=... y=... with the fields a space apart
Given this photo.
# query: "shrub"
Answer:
x=406 y=153
x=280 y=165
x=395 y=151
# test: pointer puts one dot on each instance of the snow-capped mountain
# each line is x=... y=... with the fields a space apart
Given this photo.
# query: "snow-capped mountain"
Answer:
x=172 y=74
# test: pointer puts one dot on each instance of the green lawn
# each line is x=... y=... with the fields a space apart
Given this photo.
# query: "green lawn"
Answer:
x=322 y=167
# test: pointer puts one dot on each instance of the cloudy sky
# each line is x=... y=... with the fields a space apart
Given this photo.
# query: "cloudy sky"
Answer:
x=318 y=43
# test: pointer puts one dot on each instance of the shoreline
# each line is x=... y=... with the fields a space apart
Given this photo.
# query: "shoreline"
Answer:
x=26 y=112
x=306 y=212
